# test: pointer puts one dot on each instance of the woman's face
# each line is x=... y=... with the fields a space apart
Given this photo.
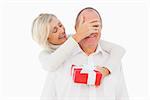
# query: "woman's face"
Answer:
x=58 y=35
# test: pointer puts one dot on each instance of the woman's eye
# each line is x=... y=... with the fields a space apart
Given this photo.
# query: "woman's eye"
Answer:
x=60 y=25
x=54 y=30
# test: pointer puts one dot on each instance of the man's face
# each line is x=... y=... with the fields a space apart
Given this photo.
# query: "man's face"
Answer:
x=93 y=39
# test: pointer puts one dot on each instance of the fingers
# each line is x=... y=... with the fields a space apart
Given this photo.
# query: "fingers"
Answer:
x=87 y=28
x=95 y=24
x=98 y=68
x=81 y=20
x=93 y=20
x=92 y=31
x=91 y=23
x=94 y=28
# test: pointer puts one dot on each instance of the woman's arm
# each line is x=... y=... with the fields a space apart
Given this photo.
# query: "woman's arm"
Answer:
x=51 y=61
x=49 y=89
x=116 y=53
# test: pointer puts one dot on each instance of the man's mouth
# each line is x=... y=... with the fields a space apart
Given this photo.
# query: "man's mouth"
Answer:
x=93 y=35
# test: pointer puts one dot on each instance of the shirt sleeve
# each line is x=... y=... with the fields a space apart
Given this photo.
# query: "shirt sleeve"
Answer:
x=49 y=89
x=121 y=91
x=51 y=61
x=116 y=53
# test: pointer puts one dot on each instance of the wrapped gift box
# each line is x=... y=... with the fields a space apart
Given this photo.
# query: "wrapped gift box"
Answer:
x=85 y=75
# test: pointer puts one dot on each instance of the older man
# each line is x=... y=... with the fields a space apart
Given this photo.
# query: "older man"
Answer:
x=88 y=53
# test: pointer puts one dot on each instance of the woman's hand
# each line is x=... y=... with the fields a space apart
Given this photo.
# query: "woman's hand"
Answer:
x=103 y=70
x=85 y=29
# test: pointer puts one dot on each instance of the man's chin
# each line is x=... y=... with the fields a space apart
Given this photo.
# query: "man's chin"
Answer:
x=90 y=43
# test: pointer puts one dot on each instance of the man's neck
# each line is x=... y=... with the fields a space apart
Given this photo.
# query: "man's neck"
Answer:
x=89 y=50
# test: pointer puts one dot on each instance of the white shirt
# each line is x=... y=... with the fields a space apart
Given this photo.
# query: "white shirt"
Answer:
x=60 y=86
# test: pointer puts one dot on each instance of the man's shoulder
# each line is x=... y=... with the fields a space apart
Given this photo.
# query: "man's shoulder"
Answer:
x=105 y=42
x=110 y=45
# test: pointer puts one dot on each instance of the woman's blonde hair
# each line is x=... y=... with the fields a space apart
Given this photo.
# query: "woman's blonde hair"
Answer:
x=41 y=29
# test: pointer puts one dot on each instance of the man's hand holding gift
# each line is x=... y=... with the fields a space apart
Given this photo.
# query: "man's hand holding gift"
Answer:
x=88 y=75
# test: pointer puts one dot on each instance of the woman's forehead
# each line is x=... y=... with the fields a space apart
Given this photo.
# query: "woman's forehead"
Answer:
x=55 y=22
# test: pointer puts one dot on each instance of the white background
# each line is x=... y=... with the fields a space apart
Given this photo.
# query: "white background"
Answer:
x=124 y=23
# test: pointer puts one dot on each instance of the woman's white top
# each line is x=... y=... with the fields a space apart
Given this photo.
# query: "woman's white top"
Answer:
x=51 y=60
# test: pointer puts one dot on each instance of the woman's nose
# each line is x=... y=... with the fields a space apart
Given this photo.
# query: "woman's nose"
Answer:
x=62 y=30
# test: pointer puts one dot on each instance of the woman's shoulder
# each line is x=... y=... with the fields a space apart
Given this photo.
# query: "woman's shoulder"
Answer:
x=44 y=52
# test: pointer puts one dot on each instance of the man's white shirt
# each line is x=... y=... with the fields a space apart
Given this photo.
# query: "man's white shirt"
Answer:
x=60 y=86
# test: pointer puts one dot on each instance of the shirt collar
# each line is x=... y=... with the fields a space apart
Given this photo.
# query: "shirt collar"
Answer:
x=98 y=50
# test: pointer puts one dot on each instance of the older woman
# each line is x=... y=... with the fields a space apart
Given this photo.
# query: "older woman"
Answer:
x=49 y=32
